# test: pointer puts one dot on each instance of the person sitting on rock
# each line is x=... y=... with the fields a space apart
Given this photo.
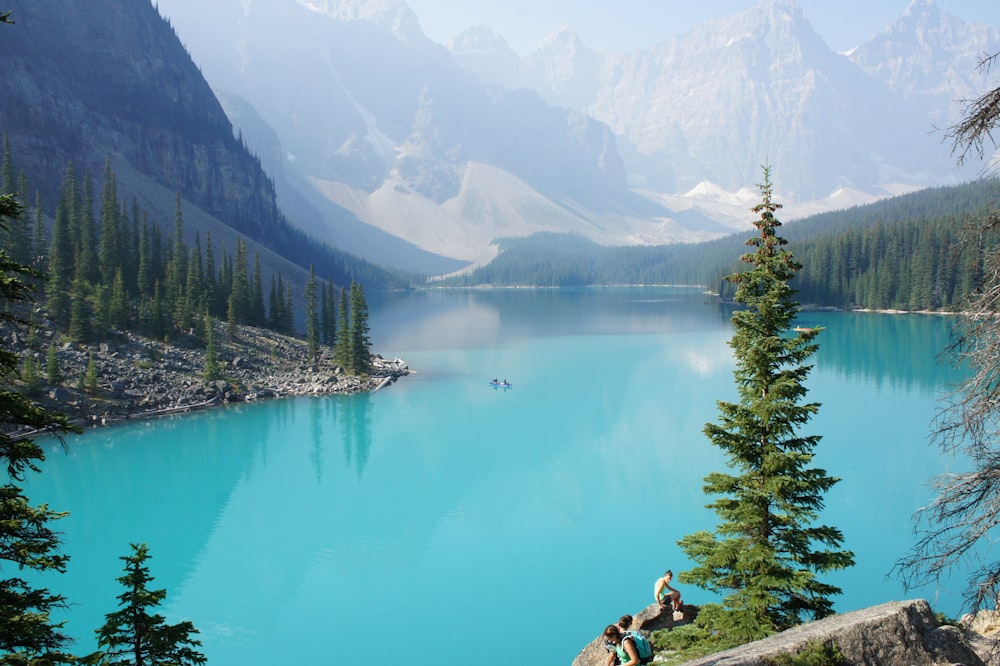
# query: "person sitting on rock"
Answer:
x=666 y=596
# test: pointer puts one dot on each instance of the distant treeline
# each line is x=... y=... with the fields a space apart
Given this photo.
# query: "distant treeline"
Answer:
x=913 y=252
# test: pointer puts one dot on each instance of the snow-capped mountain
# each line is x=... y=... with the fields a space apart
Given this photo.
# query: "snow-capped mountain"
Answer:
x=450 y=148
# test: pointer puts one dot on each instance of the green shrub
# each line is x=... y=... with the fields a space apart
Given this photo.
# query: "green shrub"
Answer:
x=689 y=641
x=944 y=620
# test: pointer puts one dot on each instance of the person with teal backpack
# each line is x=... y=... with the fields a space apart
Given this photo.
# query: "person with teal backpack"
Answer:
x=624 y=624
x=630 y=646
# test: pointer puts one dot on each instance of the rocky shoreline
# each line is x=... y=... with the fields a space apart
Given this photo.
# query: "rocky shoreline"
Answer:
x=142 y=378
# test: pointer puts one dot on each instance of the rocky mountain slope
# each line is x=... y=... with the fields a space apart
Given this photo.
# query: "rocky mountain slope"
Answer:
x=85 y=82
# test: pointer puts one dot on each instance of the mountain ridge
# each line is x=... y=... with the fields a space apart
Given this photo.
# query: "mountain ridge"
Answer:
x=374 y=139
x=110 y=81
x=613 y=141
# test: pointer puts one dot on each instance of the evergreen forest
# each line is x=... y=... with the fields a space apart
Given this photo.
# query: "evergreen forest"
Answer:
x=919 y=251
x=108 y=267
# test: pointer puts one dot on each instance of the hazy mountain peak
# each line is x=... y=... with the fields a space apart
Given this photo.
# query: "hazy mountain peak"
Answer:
x=783 y=17
x=394 y=15
x=929 y=54
x=922 y=8
x=563 y=69
x=784 y=7
x=562 y=35
x=759 y=28
x=480 y=38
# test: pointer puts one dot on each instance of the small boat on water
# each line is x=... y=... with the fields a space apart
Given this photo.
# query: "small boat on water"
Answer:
x=496 y=383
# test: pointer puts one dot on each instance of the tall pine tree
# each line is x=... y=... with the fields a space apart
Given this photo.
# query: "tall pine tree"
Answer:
x=765 y=554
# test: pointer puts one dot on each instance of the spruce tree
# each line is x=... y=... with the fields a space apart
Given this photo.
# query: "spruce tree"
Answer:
x=257 y=312
x=29 y=375
x=109 y=253
x=134 y=636
x=87 y=265
x=53 y=375
x=7 y=185
x=765 y=555
x=79 y=312
x=90 y=377
x=60 y=259
x=157 y=319
x=360 y=360
x=328 y=317
x=225 y=285
x=157 y=263
x=212 y=370
x=144 y=272
x=342 y=348
x=118 y=306
x=39 y=237
x=312 y=317
x=17 y=238
x=239 y=295
x=175 y=289
x=288 y=312
x=211 y=278
x=274 y=306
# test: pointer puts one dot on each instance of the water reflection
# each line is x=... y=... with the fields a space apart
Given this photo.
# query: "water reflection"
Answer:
x=860 y=345
x=866 y=346
x=354 y=416
x=477 y=318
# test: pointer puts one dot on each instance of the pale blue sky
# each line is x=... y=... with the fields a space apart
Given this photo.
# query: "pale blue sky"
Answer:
x=621 y=25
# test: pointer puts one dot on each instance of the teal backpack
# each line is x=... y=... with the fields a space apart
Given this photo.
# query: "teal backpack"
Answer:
x=642 y=646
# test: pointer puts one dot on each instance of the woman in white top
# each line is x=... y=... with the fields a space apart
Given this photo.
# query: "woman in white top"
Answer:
x=665 y=595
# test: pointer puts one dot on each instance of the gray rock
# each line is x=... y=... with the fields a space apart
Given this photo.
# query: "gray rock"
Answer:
x=898 y=633
x=60 y=394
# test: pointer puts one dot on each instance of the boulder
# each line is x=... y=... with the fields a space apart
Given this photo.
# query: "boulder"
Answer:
x=59 y=394
x=898 y=633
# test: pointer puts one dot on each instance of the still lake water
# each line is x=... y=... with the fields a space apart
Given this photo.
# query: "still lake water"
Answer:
x=517 y=522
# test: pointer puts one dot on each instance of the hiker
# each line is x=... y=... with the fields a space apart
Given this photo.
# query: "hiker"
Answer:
x=624 y=624
x=665 y=595
x=625 y=649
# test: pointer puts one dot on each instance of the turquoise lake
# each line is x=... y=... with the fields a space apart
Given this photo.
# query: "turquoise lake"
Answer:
x=441 y=520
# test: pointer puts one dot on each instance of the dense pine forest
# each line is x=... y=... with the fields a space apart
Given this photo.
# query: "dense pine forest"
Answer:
x=912 y=252
x=103 y=266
